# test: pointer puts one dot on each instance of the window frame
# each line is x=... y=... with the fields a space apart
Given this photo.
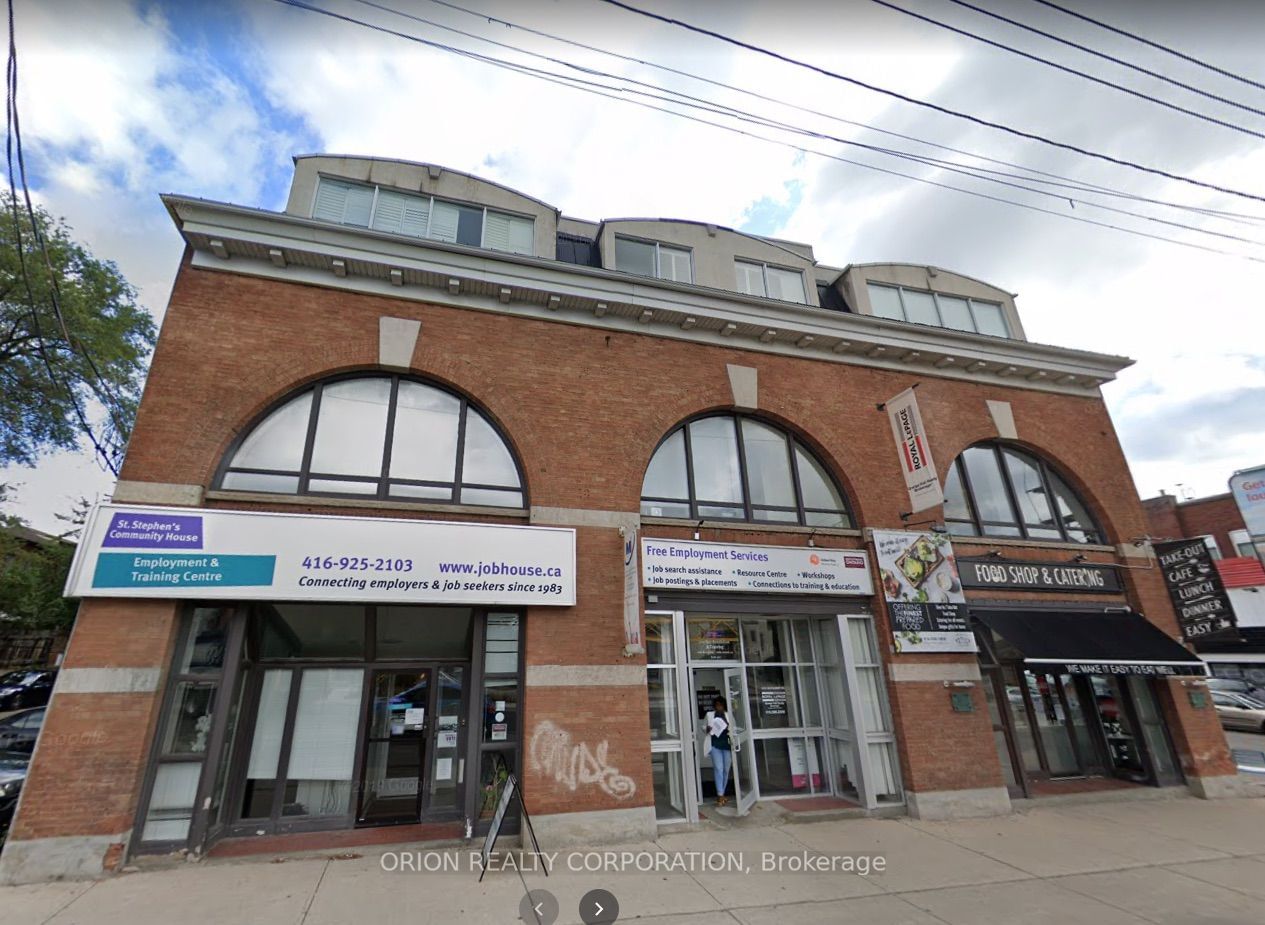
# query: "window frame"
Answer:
x=935 y=298
x=1093 y=530
x=383 y=479
x=658 y=264
x=430 y=212
x=764 y=279
x=747 y=507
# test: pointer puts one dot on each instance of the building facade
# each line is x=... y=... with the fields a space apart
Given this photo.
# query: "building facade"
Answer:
x=431 y=484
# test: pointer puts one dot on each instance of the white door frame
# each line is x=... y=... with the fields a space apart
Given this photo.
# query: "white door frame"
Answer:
x=685 y=719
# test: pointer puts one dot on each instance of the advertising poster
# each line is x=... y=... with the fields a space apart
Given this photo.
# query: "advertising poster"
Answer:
x=923 y=592
x=632 y=596
x=170 y=552
x=691 y=565
x=1203 y=608
x=915 y=453
x=1248 y=488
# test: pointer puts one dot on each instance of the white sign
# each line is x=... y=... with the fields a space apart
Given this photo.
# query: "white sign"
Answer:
x=164 y=552
x=632 y=595
x=696 y=566
x=415 y=716
x=1249 y=493
x=925 y=604
x=915 y=453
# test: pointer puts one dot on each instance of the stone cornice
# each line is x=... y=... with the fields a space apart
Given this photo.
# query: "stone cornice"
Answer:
x=286 y=247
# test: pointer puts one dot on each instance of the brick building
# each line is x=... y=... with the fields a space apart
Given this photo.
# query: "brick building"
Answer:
x=661 y=457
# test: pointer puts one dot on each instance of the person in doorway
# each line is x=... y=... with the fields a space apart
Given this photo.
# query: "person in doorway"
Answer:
x=721 y=751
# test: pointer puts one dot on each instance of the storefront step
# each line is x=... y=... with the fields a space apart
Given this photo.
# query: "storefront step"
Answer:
x=1109 y=792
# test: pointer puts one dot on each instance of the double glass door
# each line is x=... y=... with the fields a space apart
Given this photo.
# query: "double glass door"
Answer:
x=413 y=737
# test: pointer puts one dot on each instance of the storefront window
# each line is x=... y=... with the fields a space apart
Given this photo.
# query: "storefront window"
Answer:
x=323 y=750
x=501 y=648
x=774 y=704
x=311 y=631
x=713 y=639
x=190 y=721
x=500 y=711
x=265 y=749
x=669 y=785
x=439 y=633
x=661 y=686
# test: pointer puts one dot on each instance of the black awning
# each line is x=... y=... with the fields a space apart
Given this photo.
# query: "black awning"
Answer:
x=1090 y=643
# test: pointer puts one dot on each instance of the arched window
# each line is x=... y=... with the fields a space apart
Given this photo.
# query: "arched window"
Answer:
x=997 y=490
x=731 y=467
x=377 y=436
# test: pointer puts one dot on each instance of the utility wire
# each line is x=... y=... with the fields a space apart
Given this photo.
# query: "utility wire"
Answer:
x=741 y=115
x=932 y=106
x=1067 y=182
x=1156 y=45
x=1106 y=57
x=13 y=138
x=1071 y=70
x=588 y=86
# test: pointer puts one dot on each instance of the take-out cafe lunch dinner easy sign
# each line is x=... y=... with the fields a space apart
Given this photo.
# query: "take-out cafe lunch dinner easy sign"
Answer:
x=167 y=552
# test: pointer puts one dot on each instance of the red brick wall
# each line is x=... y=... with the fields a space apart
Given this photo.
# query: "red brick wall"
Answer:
x=584 y=408
x=1213 y=516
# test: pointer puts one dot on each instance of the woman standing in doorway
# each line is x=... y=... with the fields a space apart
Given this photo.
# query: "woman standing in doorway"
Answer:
x=721 y=750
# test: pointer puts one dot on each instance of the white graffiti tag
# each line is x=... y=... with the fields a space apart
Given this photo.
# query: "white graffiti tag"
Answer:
x=554 y=755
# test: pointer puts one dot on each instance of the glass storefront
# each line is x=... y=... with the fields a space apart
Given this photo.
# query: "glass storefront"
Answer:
x=810 y=689
x=339 y=715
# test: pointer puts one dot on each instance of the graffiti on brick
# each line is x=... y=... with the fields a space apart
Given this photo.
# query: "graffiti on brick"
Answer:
x=572 y=764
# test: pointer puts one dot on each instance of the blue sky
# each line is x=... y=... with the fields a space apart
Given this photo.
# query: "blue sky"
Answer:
x=122 y=101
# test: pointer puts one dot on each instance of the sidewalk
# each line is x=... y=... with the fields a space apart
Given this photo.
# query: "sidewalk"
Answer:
x=1178 y=860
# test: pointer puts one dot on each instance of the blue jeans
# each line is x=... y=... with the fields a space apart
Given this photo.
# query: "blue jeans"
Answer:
x=722 y=761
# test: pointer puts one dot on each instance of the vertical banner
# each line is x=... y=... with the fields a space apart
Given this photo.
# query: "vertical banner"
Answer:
x=632 y=594
x=1248 y=488
x=1203 y=608
x=914 y=451
x=923 y=592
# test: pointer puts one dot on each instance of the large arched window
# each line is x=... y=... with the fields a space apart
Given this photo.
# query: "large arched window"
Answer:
x=731 y=467
x=997 y=490
x=377 y=436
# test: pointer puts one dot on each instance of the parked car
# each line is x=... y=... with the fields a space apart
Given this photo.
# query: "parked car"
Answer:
x=26 y=687
x=19 y=731
x=1238 y=711
x=1235 y=686
x=12 y=775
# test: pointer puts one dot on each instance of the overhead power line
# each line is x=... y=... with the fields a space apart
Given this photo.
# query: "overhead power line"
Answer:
x=1102 y=82
x=1152 y=44
x=935 y=107
x=13 y=140
x=1112 y=58
x=693 y=102
x=1066 y=182
x=597 y=89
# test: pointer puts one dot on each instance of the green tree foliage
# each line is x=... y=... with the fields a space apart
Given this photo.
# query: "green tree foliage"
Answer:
x=100 y=314
x=32 y=576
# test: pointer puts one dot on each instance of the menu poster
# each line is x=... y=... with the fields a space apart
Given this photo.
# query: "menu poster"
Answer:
x=924 y=596
x=1203 y=608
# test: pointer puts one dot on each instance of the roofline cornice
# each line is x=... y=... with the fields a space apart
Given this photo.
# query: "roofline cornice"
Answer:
x=287 y=247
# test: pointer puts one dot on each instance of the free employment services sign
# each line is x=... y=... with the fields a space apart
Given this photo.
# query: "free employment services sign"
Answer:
x=702 y=566
x=164 y=552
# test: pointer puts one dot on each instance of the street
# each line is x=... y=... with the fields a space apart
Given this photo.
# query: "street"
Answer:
x=1163 y=858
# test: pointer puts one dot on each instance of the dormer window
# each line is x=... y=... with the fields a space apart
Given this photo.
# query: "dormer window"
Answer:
x=650 y=258
x=420 y=216
x=942 y=311
x=769 y=282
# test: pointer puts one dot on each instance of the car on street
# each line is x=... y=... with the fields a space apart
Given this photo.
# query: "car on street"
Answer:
x=12 y=775
x=1236 y=686
x=18 y=731
x=1238 y=711
x=26 y=687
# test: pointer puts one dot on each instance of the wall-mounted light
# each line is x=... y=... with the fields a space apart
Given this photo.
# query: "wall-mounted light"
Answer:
x=698 y=526
x=1080 y=557
x=995 y=554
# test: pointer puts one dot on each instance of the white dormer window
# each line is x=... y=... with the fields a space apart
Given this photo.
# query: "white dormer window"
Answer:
x=769 y=282
x=650 y=258
x=420 y=216
x=942 y=311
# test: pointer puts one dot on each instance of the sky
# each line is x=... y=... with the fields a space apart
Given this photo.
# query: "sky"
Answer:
x=123 y=100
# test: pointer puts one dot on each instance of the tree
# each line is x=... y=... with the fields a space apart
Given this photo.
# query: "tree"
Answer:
x=86 y=360
x=32 y=575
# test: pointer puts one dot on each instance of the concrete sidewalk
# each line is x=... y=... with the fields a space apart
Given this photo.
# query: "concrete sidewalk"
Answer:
x=1177 y=860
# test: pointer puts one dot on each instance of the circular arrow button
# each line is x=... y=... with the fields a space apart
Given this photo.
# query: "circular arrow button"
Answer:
x=599 y=907
x=539 y=907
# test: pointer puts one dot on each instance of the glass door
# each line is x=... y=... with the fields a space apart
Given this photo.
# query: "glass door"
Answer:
x=395 y=747
x=671 y=757
x=741 y=741
x=447 y=743
x=1012 y=773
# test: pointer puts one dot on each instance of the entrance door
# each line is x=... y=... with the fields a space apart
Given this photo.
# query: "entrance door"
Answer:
x=741 y=741
x=1012 y=771
x=395 y=747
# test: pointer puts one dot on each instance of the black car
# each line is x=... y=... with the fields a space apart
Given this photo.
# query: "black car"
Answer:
x=19 y=731
x=26 y=687
x=12 y=774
